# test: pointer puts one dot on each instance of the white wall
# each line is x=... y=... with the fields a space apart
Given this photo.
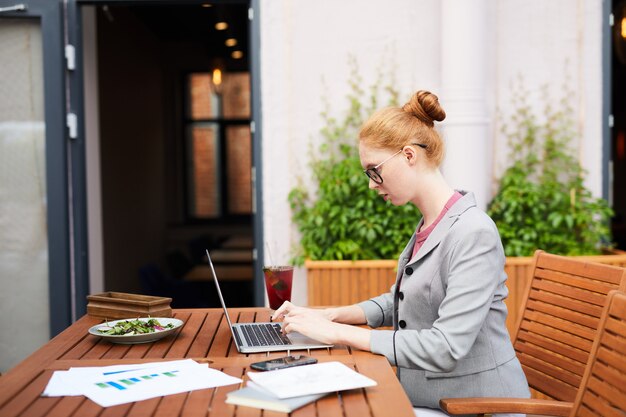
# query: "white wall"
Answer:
x=467 y=53
x=305 y=41
x=545 y=42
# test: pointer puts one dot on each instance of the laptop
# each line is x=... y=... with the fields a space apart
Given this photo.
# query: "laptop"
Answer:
x=263 y=337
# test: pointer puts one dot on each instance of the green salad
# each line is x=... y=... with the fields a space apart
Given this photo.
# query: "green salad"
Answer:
x=131 y=327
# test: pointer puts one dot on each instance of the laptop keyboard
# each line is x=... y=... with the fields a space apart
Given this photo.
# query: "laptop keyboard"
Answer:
x=269 y=334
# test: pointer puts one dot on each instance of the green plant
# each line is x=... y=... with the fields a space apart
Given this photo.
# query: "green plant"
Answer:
x=542 y=202
x=343 y=219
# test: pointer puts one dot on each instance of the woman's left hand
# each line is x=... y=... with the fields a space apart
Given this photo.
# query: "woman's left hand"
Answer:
x=312 y=324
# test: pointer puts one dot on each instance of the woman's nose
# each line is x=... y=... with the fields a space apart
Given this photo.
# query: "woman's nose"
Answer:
x=373 y=184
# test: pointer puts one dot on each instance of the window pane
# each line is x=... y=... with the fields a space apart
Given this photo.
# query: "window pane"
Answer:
x=204 y=103
x=203 y=170
x=236 y=95
x=23 y=211
x=239 y=163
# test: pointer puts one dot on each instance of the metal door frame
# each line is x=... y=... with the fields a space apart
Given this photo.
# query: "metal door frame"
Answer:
x=67 y=286
x=76 y=107
x=607 y=111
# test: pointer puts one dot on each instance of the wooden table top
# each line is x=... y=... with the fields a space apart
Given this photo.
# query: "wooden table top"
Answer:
x=204 y=337
x=225 y=272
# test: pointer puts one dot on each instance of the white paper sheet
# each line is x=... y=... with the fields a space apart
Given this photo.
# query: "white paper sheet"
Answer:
x=59 y=386
x=119 y=384
x=310 y=379
x=69 y=383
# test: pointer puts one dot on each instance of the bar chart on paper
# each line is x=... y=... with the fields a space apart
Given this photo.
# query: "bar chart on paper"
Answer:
x=122 y=384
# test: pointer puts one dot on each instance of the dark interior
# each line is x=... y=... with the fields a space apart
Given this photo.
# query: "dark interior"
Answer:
x=150 y=244
x=194 y=24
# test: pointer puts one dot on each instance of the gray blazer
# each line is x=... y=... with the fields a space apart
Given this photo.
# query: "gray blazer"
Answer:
x=449 y=337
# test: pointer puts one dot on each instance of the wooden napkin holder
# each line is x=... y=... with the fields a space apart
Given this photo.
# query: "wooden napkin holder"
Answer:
x=118 y=305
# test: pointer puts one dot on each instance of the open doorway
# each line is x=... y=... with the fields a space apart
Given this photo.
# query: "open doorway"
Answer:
x=174 y=150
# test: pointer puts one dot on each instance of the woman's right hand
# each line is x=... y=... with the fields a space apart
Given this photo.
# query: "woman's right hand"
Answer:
x=322 y=324
x=290 y=308
x=352 y=314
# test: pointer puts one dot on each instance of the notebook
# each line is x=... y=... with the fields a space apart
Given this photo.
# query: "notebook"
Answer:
x=252 y=396
x=263 y=337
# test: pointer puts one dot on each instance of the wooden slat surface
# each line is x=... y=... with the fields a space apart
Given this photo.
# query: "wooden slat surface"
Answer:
x=559 y=320
x=225 y=272
x=204 y=337
x=603 y=389
x=560 y=312
x=349 y=283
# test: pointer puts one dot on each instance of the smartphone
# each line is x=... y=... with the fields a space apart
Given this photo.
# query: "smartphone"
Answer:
x=285 y=362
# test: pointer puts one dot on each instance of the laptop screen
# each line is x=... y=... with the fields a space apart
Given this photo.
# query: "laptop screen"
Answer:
x=219 y=293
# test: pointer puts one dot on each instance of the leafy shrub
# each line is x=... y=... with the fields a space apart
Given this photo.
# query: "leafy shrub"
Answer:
x=343 y=219
x=542 y=202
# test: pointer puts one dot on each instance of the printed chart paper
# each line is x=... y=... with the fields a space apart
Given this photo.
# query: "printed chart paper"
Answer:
x=68 y=383
x=108 y=386
x=310 y=379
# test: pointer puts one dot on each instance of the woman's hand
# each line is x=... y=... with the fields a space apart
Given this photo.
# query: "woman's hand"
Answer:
x=318 y=324
x=288 y=308
x=310 y=323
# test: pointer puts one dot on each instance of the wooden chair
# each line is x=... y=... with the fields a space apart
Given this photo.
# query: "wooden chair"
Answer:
x=555 y=332
x=602 y=391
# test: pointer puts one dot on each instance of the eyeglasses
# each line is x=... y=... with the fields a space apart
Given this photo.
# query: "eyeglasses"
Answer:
x=374 y=175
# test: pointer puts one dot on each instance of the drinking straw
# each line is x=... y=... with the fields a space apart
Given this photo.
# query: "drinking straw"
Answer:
x=269 y=253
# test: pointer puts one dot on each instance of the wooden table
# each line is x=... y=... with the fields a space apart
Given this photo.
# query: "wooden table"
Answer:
x=224 y=273
x=204 y=337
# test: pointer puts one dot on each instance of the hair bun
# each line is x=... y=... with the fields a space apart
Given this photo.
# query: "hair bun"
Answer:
x=425 y=106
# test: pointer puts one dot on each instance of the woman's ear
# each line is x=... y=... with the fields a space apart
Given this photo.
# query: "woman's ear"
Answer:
x=409 y=154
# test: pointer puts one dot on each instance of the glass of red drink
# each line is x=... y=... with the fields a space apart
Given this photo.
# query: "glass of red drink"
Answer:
x=278 y=280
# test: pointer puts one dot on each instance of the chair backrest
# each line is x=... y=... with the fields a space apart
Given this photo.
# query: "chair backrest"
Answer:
x=603 y=387
x=559 y=319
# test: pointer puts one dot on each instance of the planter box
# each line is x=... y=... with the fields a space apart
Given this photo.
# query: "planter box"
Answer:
x=348 y=282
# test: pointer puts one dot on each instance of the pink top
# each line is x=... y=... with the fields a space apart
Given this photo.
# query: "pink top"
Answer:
x=422 y=235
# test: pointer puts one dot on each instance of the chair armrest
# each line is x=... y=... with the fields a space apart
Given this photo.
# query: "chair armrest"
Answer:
x=482 y=405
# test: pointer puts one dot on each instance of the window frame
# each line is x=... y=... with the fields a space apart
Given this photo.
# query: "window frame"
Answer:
x=223 y=123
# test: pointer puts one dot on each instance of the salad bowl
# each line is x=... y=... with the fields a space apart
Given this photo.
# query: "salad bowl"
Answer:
x=136 y=330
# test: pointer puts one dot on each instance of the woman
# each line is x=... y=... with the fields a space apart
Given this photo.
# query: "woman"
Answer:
x=447 y=309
